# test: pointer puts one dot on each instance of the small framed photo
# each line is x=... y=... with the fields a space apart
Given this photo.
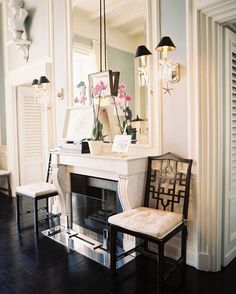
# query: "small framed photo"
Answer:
x=121 y=143
x=101 y=84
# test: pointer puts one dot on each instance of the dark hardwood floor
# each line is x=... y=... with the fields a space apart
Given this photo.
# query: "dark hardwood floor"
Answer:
x=31 y=265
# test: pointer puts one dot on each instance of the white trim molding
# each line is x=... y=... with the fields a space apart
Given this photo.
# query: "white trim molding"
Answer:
x=205 y=90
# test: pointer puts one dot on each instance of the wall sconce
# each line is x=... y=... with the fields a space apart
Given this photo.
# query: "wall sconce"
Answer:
x=169 y=72
x=41 y=95
x=141 y=53
x=60 y=94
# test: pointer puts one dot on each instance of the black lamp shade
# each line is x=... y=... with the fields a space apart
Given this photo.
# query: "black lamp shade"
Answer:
x=35 y=82
x=43 y=80
x=141 y=51
x=166 y=42
x=81 y=84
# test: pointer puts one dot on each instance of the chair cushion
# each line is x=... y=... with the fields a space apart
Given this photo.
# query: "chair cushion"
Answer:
x=149 y=221
x=36 y=189
x=4 y=172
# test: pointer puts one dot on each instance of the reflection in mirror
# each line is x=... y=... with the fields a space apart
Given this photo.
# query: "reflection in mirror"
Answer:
x=126 y=29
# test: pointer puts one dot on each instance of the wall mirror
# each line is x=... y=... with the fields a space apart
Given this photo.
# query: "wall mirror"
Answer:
x=126 y=28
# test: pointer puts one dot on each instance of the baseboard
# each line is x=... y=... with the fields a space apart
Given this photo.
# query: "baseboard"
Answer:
x=229 y=257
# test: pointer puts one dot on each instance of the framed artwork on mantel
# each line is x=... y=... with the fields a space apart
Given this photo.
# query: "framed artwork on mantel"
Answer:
x=78 y=124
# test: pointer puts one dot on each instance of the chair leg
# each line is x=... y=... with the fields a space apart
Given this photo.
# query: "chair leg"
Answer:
x=9 y=185
x=184 y=247
x=18 y=211
x=161 y=265
x=36 y=216
x=47 y=210
x=113 y=233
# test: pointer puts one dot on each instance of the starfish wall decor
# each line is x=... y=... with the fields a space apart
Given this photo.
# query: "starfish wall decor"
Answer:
x=167 y=89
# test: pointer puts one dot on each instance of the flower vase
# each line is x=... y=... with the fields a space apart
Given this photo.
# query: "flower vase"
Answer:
x=95 y=147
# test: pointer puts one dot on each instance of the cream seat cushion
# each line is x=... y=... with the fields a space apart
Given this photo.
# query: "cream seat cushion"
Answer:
x=4 y=172
x=37 y=189
x=149 y=221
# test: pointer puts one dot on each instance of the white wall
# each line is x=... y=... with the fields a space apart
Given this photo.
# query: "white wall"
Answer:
x=175 y=107
x=2 y=86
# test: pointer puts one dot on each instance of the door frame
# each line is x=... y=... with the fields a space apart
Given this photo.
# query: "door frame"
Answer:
x=15 y=78
x=206 y=121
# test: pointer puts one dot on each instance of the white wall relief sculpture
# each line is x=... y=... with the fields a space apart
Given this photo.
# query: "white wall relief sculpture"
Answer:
x=16 y=25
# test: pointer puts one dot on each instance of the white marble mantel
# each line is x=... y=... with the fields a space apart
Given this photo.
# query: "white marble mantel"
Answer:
x=129 y=171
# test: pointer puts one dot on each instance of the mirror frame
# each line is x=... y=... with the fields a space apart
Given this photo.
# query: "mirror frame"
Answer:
x=154 y=91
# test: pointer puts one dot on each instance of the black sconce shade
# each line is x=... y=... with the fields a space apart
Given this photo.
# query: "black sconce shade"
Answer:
x=166 y=42
x=81 y=84
x=35 y=82
x=141 y=51
x=43 y=80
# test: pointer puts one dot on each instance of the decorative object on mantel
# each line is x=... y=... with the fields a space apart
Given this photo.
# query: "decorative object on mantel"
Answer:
x=121 y=103
x=121 y=144
x=102 y=84
x=170 y=73
x=41 y=94
x=16 y=26
x=95 y=144
x=141 y=53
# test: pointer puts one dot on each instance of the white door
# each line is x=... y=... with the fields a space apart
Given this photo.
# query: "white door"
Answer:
x=31 y=140
x=229 y=186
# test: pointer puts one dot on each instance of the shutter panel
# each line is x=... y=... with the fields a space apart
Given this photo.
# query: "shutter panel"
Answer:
x=233 y=118
x=33 y=136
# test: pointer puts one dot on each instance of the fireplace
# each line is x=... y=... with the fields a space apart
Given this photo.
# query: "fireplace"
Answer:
x=90 y=188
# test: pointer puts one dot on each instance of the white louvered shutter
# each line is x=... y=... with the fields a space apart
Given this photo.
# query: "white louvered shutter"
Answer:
x=229 y=183
x=31 y=138
x=233 y=117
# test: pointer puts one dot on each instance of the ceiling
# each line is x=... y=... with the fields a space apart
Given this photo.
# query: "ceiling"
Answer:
x=125 y=15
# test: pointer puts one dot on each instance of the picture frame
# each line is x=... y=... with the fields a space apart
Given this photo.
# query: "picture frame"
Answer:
x=78 y=124
x=109 y=78
x=115 y=80
x=96 y=78
x=121 y=143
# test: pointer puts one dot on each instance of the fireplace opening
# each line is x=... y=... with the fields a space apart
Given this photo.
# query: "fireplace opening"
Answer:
x=93 y=201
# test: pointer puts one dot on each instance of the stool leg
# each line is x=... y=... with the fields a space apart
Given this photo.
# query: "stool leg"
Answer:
x=18 y=211
x=9 y=185
x=36 y=216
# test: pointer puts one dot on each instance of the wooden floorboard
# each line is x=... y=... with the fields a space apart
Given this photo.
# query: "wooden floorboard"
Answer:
x=39 y=265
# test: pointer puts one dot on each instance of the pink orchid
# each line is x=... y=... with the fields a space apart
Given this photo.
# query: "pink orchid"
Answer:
x=97 y=91
x=82 y=99
x=76 y=100
x=128 y=98
x=121 y=87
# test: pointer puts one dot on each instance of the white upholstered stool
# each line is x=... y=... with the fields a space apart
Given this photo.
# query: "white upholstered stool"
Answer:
x=37 y=191
x=6 y=174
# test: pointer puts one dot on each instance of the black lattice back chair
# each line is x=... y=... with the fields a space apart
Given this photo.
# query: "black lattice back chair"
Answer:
x=164 y=213
x=36 y=191
x=168 y=183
